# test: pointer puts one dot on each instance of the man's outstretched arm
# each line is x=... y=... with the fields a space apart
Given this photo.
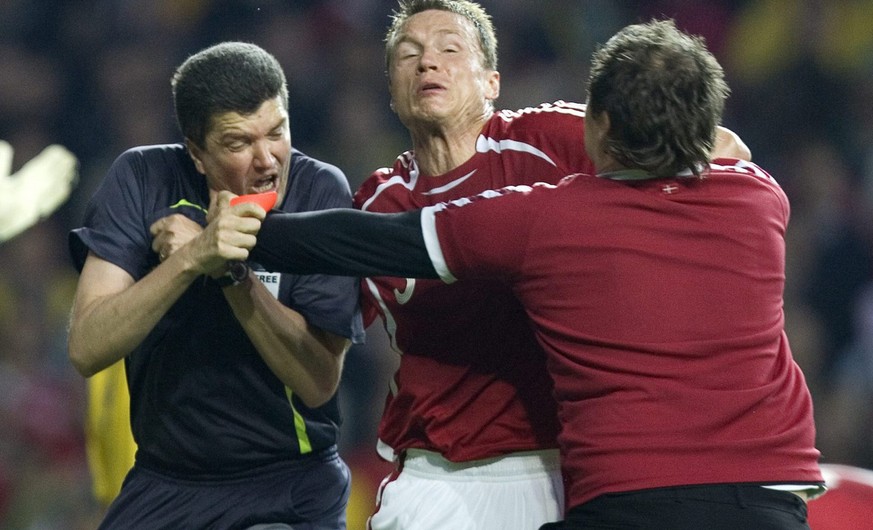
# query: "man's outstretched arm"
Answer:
x=344 y=242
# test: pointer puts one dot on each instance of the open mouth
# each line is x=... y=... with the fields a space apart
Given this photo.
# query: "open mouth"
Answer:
x=265 y=184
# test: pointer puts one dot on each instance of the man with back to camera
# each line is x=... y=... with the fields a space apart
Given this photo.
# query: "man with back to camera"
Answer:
x=232 y=373
x=655 y=288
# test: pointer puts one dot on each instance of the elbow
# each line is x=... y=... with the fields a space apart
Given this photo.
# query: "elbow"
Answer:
x=80 y=358
x=324 y=381
x=77 y=359
x=320 y=393
x=321 y=388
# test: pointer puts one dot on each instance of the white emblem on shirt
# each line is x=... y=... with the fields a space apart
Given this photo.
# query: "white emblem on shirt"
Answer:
x=404 y=295
x=450 y=185
x=483 y=145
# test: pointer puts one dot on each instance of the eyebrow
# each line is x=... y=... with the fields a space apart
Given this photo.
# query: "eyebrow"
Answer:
x=234 y=134
x=441 y=33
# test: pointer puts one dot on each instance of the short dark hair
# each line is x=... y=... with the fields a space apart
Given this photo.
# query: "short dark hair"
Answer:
x=664 y=93
x=469 y=10
x=227 y=77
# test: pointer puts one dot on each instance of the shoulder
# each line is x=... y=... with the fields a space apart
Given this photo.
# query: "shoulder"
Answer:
x=315 y=185
x=554 y=131
x=153 y=160
x=544 y=115
x=401 y=168
x=154 y=154
x=316 y=172
x=149 y=165
x=745 y=172
x=398 y=173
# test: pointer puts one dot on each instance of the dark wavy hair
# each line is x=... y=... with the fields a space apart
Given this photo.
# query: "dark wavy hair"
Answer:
x=227 y=77
x=469 y=10
x=664 y=93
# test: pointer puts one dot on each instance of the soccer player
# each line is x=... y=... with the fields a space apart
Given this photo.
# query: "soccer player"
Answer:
x=232 y=371
x=655 y=287
x=470 y=419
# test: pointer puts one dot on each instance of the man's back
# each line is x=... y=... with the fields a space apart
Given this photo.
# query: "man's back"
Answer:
x=659 y=303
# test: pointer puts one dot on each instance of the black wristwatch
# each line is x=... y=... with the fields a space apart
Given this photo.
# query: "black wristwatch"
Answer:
x=237 y=272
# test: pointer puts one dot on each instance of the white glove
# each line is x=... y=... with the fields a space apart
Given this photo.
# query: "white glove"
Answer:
x=36 y=190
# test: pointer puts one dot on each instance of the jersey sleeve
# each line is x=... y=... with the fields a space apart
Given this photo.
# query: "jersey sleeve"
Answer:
x=114 y=228
x=479 y=237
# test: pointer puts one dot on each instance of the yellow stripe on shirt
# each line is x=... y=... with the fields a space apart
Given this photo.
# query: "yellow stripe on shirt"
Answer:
x=299 y=426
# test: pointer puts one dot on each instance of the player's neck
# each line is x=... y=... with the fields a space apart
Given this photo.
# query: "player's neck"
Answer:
x=440 y=150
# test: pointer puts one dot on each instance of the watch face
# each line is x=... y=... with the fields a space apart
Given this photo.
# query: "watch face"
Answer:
x=239 y=270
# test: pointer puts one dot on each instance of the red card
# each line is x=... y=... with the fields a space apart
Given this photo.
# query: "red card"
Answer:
x=265 y=200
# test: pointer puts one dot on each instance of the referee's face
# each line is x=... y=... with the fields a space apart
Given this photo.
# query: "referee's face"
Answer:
x=247 y=153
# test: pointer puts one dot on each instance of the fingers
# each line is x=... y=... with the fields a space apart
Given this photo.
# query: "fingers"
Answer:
x=57 y=169
x=218 y=202
x=230 y=233
x=220 y=198
x=37 y=189
x=171 y=233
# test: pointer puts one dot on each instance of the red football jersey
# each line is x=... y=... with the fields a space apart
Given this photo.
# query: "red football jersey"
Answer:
x=659 y=304
x=471 y=382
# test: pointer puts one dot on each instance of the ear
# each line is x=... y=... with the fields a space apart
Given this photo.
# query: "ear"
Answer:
x=196 y=156
x=602 y=125
x=492 y=90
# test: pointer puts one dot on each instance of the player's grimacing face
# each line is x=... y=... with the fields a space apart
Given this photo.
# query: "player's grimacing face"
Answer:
x=247 y=153
x=436 y=70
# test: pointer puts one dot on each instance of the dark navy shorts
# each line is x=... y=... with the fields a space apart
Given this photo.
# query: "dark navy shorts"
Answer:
x=307 y=494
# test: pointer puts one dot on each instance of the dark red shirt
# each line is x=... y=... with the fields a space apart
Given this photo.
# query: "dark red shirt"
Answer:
x=472 y=382
x=659 y=304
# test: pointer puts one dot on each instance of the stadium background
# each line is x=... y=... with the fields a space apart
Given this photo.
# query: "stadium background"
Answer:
x=93 y=75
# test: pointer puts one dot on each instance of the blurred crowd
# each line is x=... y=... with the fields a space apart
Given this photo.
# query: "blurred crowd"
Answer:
x=94 y=75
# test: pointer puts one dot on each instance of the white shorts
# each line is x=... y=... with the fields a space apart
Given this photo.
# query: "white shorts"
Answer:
x=519 y=491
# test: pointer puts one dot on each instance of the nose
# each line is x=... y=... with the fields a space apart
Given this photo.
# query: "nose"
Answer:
x=262 y=158
x=427 y=60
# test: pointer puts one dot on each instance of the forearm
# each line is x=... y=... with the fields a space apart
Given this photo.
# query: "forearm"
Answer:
x=307 y=360
x=344 y=242
x=112 y=315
